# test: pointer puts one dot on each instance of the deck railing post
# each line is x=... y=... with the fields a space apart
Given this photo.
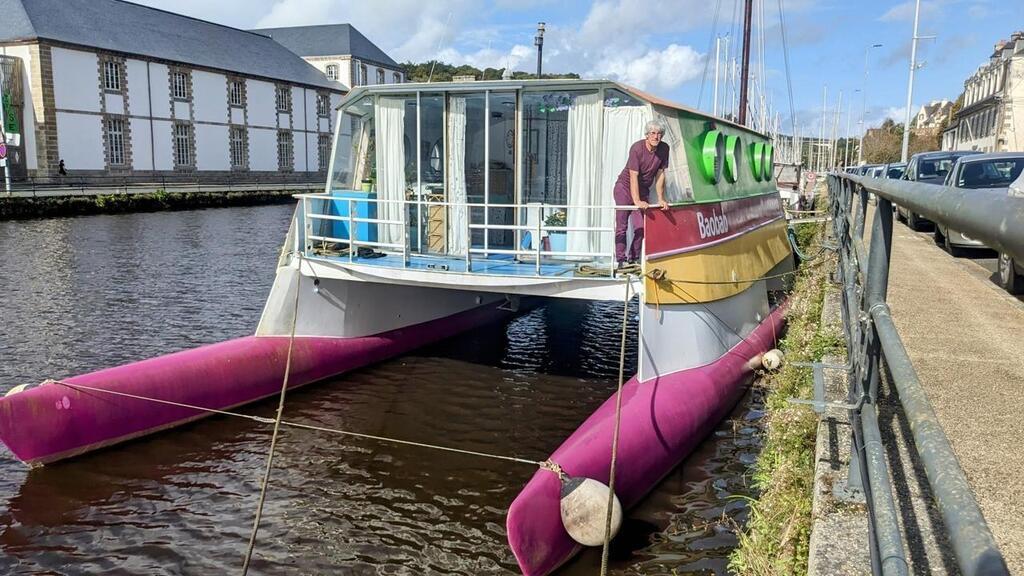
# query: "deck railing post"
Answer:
x=469 y=241
x=540 y=221
x=405 y=234
x=351 y=232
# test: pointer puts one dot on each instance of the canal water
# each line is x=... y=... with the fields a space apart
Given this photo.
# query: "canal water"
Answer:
x=80 y=294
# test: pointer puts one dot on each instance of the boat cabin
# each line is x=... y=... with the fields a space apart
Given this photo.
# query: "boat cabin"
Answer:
x=507 y=177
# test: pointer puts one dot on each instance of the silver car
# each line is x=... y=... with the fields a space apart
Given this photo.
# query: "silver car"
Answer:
x=977 y=172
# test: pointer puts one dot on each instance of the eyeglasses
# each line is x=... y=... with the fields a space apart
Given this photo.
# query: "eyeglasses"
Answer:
x=655 y=133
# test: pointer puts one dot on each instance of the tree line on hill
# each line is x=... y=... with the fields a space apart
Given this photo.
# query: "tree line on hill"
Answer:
x=437 y=71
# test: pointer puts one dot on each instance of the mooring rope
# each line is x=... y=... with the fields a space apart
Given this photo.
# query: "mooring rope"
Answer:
x=615 y=435
x=277 y=422
x=301 y=426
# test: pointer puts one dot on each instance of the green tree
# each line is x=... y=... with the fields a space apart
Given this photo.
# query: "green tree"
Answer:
x=437 y=71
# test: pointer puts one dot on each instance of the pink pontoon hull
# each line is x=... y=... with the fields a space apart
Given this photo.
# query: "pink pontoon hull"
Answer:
x=52 y=422
x=662 y=421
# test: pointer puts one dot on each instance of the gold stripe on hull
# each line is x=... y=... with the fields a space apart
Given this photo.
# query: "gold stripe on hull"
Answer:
x=692 y=276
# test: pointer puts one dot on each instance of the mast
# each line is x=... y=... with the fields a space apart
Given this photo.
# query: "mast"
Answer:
x=748 y=6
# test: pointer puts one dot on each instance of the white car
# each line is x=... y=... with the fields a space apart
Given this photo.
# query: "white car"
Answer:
x=977 y=172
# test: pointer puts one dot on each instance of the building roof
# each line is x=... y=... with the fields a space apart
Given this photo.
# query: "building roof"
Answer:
x=329 y=40
x=129 y=28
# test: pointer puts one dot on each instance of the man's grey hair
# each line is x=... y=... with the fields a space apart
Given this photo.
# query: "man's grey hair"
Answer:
x=654 y=126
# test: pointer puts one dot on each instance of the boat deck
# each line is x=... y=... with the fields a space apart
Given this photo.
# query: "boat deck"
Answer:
x=493 y=265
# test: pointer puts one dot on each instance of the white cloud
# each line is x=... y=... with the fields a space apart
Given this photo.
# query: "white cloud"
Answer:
x=904 y=12
x=660 y=69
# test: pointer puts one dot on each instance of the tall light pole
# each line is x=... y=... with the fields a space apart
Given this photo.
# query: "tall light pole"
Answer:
x=864 y=105
x=538 y=41
x=904 y=152
x=849 y=114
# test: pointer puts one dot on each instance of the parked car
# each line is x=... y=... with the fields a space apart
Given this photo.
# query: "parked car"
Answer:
x=1011 y=272
x=895 y=170
x=930 y=168
x=865 y=169
x=877 y=171
x=976 y=172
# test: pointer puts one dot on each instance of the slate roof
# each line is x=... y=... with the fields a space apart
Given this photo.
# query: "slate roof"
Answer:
x=329 y=40
x=140 y=30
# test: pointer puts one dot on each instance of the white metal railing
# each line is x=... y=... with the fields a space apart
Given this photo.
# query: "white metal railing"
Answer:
x=397 y=233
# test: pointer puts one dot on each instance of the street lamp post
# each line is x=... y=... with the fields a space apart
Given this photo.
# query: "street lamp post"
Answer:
x=864 y=105
x=538 y=40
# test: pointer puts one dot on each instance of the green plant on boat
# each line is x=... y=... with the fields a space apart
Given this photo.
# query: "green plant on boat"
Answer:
x=556 y=219
x=776 y=538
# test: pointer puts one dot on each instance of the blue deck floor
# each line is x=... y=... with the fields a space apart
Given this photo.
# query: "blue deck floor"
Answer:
x=492 y=265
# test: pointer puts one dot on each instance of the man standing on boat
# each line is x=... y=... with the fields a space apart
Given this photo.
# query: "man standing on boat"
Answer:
x=645 y=166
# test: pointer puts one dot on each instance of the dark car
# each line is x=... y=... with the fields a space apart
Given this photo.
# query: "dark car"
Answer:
x=929 y=168
x=895 y=170
x=978 y=172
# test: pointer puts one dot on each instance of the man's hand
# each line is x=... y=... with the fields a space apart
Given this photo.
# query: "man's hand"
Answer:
x=643 y=205
x=663 y=205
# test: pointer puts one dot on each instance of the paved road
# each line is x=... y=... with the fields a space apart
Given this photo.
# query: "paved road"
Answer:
x=965 y=336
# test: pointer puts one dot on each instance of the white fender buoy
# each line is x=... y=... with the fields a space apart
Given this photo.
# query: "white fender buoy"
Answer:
x=772 y=359
x=20 y=388
x=584 y=507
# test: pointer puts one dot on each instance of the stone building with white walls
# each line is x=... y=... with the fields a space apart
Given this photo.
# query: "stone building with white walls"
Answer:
x=992 y=116
x=117 y=90
x=341 y=52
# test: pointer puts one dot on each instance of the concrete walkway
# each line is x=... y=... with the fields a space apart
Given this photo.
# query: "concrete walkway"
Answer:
x=965 y=337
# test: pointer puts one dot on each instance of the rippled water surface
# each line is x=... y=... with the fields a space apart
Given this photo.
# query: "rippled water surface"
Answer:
x=79 y=294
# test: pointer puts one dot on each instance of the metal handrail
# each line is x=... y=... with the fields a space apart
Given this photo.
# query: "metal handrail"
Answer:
x=537 y=253
x=872 y=336
x=990 y=214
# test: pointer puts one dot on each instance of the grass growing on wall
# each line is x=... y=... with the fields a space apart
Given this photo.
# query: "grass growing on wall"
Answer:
x=776 y=539
x=43 y=206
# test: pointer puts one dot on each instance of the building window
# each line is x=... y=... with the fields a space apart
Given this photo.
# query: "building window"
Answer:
x=397 y=77
x=323 y=105
x=111 y=75
x=115 y=141
x=324 y=149
x=380 y=76
x=179 y=85
x=364 y=76
x=332 y=71
x=285 y=156
x=235 y=88
x=238 y=147
x=284 y=99
x=183 y=145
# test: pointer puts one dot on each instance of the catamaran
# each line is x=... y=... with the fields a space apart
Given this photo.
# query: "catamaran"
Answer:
x=449 y=205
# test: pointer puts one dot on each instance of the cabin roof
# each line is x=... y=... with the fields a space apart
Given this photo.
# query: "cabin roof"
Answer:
x=561 y=83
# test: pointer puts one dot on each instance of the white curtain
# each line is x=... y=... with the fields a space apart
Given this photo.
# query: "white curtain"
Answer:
x=623 y=126
x=583 y=172
x=390 y=119
x=456 y=176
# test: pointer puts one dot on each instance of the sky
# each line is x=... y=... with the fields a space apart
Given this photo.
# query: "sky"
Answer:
x=667 y=47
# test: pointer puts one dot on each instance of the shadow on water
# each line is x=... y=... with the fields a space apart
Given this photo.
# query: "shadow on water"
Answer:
x=183 y=501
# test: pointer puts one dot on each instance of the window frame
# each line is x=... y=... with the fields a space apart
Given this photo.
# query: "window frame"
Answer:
x=112 y=81
x=186 y=93
x=336 y=69
x=236 y=88
x=117 y=152
x=323 y=105
x=283 y=98
x=183 y=133
x=285 y=141
x=397 y=77
x=237 y=149
x=381 y=77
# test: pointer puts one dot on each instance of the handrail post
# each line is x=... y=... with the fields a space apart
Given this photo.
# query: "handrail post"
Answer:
x=469 y=241
x=540 y=217
x=351 y=233
x=405 y=233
